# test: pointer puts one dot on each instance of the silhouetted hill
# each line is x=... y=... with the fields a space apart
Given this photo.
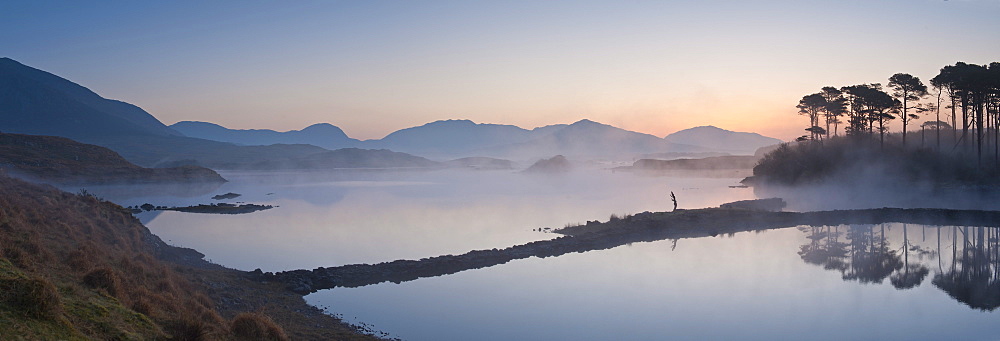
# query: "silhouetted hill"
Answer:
x=40 y=103
x=63 y=161
x=681 y=155
x=555 y=164
x=37 y=102
x=446 y=139
x=160 y=151
x=589 y=139
x=356 y=158
x=450 y=138
x=708 y=163
x=323 y=135
x=721 y=139
x=481 y=163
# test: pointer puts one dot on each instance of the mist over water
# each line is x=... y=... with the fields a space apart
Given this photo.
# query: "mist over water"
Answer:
x=346 y=217
x=787 y=283
x=874 y=188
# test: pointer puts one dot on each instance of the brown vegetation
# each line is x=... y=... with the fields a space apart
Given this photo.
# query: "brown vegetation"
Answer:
x=256 y=326
x=76 y=267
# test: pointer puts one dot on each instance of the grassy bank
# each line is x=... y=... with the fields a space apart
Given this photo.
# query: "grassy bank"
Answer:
x=76 y=267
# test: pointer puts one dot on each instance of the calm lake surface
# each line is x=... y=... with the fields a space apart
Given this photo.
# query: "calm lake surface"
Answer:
x=879 y=282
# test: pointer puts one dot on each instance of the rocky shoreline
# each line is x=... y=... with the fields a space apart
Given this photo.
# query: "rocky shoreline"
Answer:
x=220 y=208
x=643 y=227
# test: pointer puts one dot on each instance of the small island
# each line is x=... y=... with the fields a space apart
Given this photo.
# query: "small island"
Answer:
x=220 y=208
x=553 y=165
x=229 y=195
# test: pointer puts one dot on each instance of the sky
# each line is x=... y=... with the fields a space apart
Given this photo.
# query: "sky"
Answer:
x=373 y=67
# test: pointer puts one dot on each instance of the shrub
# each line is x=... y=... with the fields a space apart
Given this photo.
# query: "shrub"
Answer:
x=188 y=330
x=35 y=297
x=141 y=305
x=81 y=259
x=104 y=278
x=256 y=326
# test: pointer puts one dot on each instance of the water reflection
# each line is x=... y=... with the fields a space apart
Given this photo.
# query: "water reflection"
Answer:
x=972 y=277
x=348 y=217
x=912 y=274
x=869 y=254
x=747 y=286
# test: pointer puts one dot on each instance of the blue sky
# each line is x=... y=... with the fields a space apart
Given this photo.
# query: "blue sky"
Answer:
x=372 y=67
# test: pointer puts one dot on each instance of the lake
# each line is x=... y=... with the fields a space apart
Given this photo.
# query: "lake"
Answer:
x=880 y=282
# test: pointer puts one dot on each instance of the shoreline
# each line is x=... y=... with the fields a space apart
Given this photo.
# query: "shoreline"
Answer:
x=643 y=227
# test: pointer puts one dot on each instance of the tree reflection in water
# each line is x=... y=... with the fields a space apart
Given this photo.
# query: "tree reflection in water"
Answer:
x=973 y=276
x=865 y=254
x=912 y=274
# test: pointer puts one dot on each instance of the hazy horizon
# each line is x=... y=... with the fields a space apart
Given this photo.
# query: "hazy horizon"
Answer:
x=375 y=67
x=348 y=133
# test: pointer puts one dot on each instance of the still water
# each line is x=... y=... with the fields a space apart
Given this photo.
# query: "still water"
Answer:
x=329 y=219
x=860 y=282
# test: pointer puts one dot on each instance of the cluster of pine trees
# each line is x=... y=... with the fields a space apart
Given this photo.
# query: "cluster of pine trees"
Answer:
x=968 y=93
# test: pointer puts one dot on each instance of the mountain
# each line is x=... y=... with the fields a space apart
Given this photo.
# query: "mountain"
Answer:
x=450 y=138
x=583 y=139
x=63 y=161
x=721 y=139
x=586 y=139
x=481 y=163
x=555 y=164
x=351 y=158
x=36 y=102
x=40 y=103
x=323 y=135
x=708 y=163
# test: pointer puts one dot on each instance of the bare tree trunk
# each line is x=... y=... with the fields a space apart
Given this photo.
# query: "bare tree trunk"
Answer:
x=937 y=117
x=905 y=119
x=826 y=117
x=954 y=126
x=965 y=122
x=996 y=135
x=979 y=132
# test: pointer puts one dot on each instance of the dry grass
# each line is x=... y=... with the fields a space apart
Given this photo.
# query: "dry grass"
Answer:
x=256 y=326
x=34 y=297
x=73 y=266
x=105 y=279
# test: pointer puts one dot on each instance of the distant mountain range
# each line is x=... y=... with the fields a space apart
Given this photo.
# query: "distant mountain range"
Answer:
x=722 y=140
x=37 y=102
x=60 y=160
x=323 y=135
x=449 y=139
